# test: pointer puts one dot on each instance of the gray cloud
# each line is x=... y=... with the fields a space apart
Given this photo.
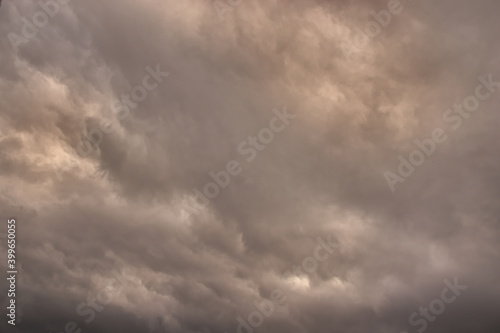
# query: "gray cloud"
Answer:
x=129 y=207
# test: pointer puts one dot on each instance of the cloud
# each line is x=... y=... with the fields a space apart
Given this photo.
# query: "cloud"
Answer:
x=129 y=207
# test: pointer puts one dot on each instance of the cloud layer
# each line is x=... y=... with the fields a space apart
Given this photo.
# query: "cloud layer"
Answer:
x=128 y=207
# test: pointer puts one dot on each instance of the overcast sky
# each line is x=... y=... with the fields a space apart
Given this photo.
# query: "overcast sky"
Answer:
x=102 y=189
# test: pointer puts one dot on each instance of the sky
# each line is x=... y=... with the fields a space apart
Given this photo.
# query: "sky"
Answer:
x=197 y=166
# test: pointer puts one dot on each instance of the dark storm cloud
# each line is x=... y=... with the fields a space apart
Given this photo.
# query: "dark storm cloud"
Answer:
x=129 y=209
